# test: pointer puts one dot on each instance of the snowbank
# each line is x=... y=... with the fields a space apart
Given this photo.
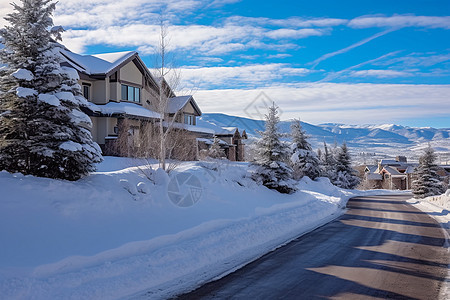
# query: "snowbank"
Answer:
x=119 y=233
x=438 y=207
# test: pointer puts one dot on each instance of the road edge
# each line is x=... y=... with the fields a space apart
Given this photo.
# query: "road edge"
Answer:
x=444 y=222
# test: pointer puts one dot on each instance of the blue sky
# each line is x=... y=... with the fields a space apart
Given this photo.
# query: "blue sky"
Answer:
x=353 y=62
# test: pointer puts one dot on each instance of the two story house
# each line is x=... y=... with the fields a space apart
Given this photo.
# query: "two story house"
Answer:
x=123 y=99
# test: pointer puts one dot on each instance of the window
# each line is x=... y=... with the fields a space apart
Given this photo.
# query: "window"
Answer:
x=86 y=90
x=131 y=93
x=189 y=119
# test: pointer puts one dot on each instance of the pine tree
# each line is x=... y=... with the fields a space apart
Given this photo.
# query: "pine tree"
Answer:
x=215 y=151
x=327 y=163
x=271 y=154
x=303 y=161
x=43 y=132
x=427 y=182
x=345 y=175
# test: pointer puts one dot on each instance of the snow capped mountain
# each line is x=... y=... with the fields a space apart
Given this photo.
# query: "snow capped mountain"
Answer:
x=367 y=142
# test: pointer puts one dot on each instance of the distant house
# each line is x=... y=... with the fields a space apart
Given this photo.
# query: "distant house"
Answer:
x=120 y=89
x=235 y=140
x=391 y=174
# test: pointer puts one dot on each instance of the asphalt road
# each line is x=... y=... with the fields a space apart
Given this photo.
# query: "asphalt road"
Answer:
x=381 y=248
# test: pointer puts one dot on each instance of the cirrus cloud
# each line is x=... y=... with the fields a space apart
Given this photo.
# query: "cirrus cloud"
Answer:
x=399 y=21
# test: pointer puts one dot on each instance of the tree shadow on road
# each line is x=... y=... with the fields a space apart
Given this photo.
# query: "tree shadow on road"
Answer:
x=362 y=254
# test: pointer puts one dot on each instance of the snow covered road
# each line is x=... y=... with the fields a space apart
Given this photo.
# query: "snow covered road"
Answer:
x=382 y=247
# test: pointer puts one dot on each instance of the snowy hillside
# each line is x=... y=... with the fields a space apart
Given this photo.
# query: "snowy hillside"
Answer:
x=377 y=141
x=117 y=233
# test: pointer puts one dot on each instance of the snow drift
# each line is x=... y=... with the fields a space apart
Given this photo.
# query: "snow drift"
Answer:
x=118 y=233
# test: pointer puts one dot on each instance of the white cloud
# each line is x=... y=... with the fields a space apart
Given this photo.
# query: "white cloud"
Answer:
x=380 y=73
x=255 y=75
x=293 y=22
x=286 y=33
x=401 y=21
x=206 y=39
x=279 y=55
x=219 y=3
x=340 y=103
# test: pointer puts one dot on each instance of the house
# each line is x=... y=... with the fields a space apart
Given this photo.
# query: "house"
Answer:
x=118 y=87
x=123 y=101
x=235 y=150
x=390 y=174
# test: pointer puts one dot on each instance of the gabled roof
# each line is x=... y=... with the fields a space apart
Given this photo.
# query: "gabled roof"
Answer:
x=371 y=168
x=374 y=176
x=178 y=103
x=392 y=171
x=99 y=63
x=106 y=63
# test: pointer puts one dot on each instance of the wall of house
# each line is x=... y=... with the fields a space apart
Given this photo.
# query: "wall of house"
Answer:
x=114 y=91
x=131 y=73
x=102 y=127
x=98 y=92
x=189 y=109
x=150 y=96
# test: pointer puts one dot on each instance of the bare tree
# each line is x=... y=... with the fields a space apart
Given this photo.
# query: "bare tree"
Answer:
x=169 y=79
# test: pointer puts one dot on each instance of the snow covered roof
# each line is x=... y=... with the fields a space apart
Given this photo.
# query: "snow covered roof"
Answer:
x=191 y=128
x=374 y=176
x=389 y=162
x=130 y=109
x=410 y=169
x=211 y=141
x=98 y=63
x=372 y=168
x=178 y=103
x=392 y=171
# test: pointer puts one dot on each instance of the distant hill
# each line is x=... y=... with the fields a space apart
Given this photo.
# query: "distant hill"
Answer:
x=367 y=142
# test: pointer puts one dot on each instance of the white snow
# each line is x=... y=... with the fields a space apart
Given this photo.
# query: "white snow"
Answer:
x=23 y=74
x=116 y=233
x=25 y=92
x=177 y=103
x=96 y=64
x=211 y=141
x=71 y=146
x=71 y=73
x=66 y=96
x=79 y=117
x=193 y=128
x=124 y=108
x=49 y=99
x=438 y=207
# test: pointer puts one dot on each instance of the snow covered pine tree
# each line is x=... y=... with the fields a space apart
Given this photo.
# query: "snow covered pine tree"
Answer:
x=427 y=182
x=327 y=163
x=345 y=175
x=215 y=151
x=270 y=156
x=43 y=132
x=303 y=160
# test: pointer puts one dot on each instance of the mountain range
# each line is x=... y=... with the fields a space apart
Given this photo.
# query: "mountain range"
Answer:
x=367 y=143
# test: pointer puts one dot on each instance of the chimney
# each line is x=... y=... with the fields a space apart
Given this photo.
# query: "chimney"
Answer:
x=401 y=158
